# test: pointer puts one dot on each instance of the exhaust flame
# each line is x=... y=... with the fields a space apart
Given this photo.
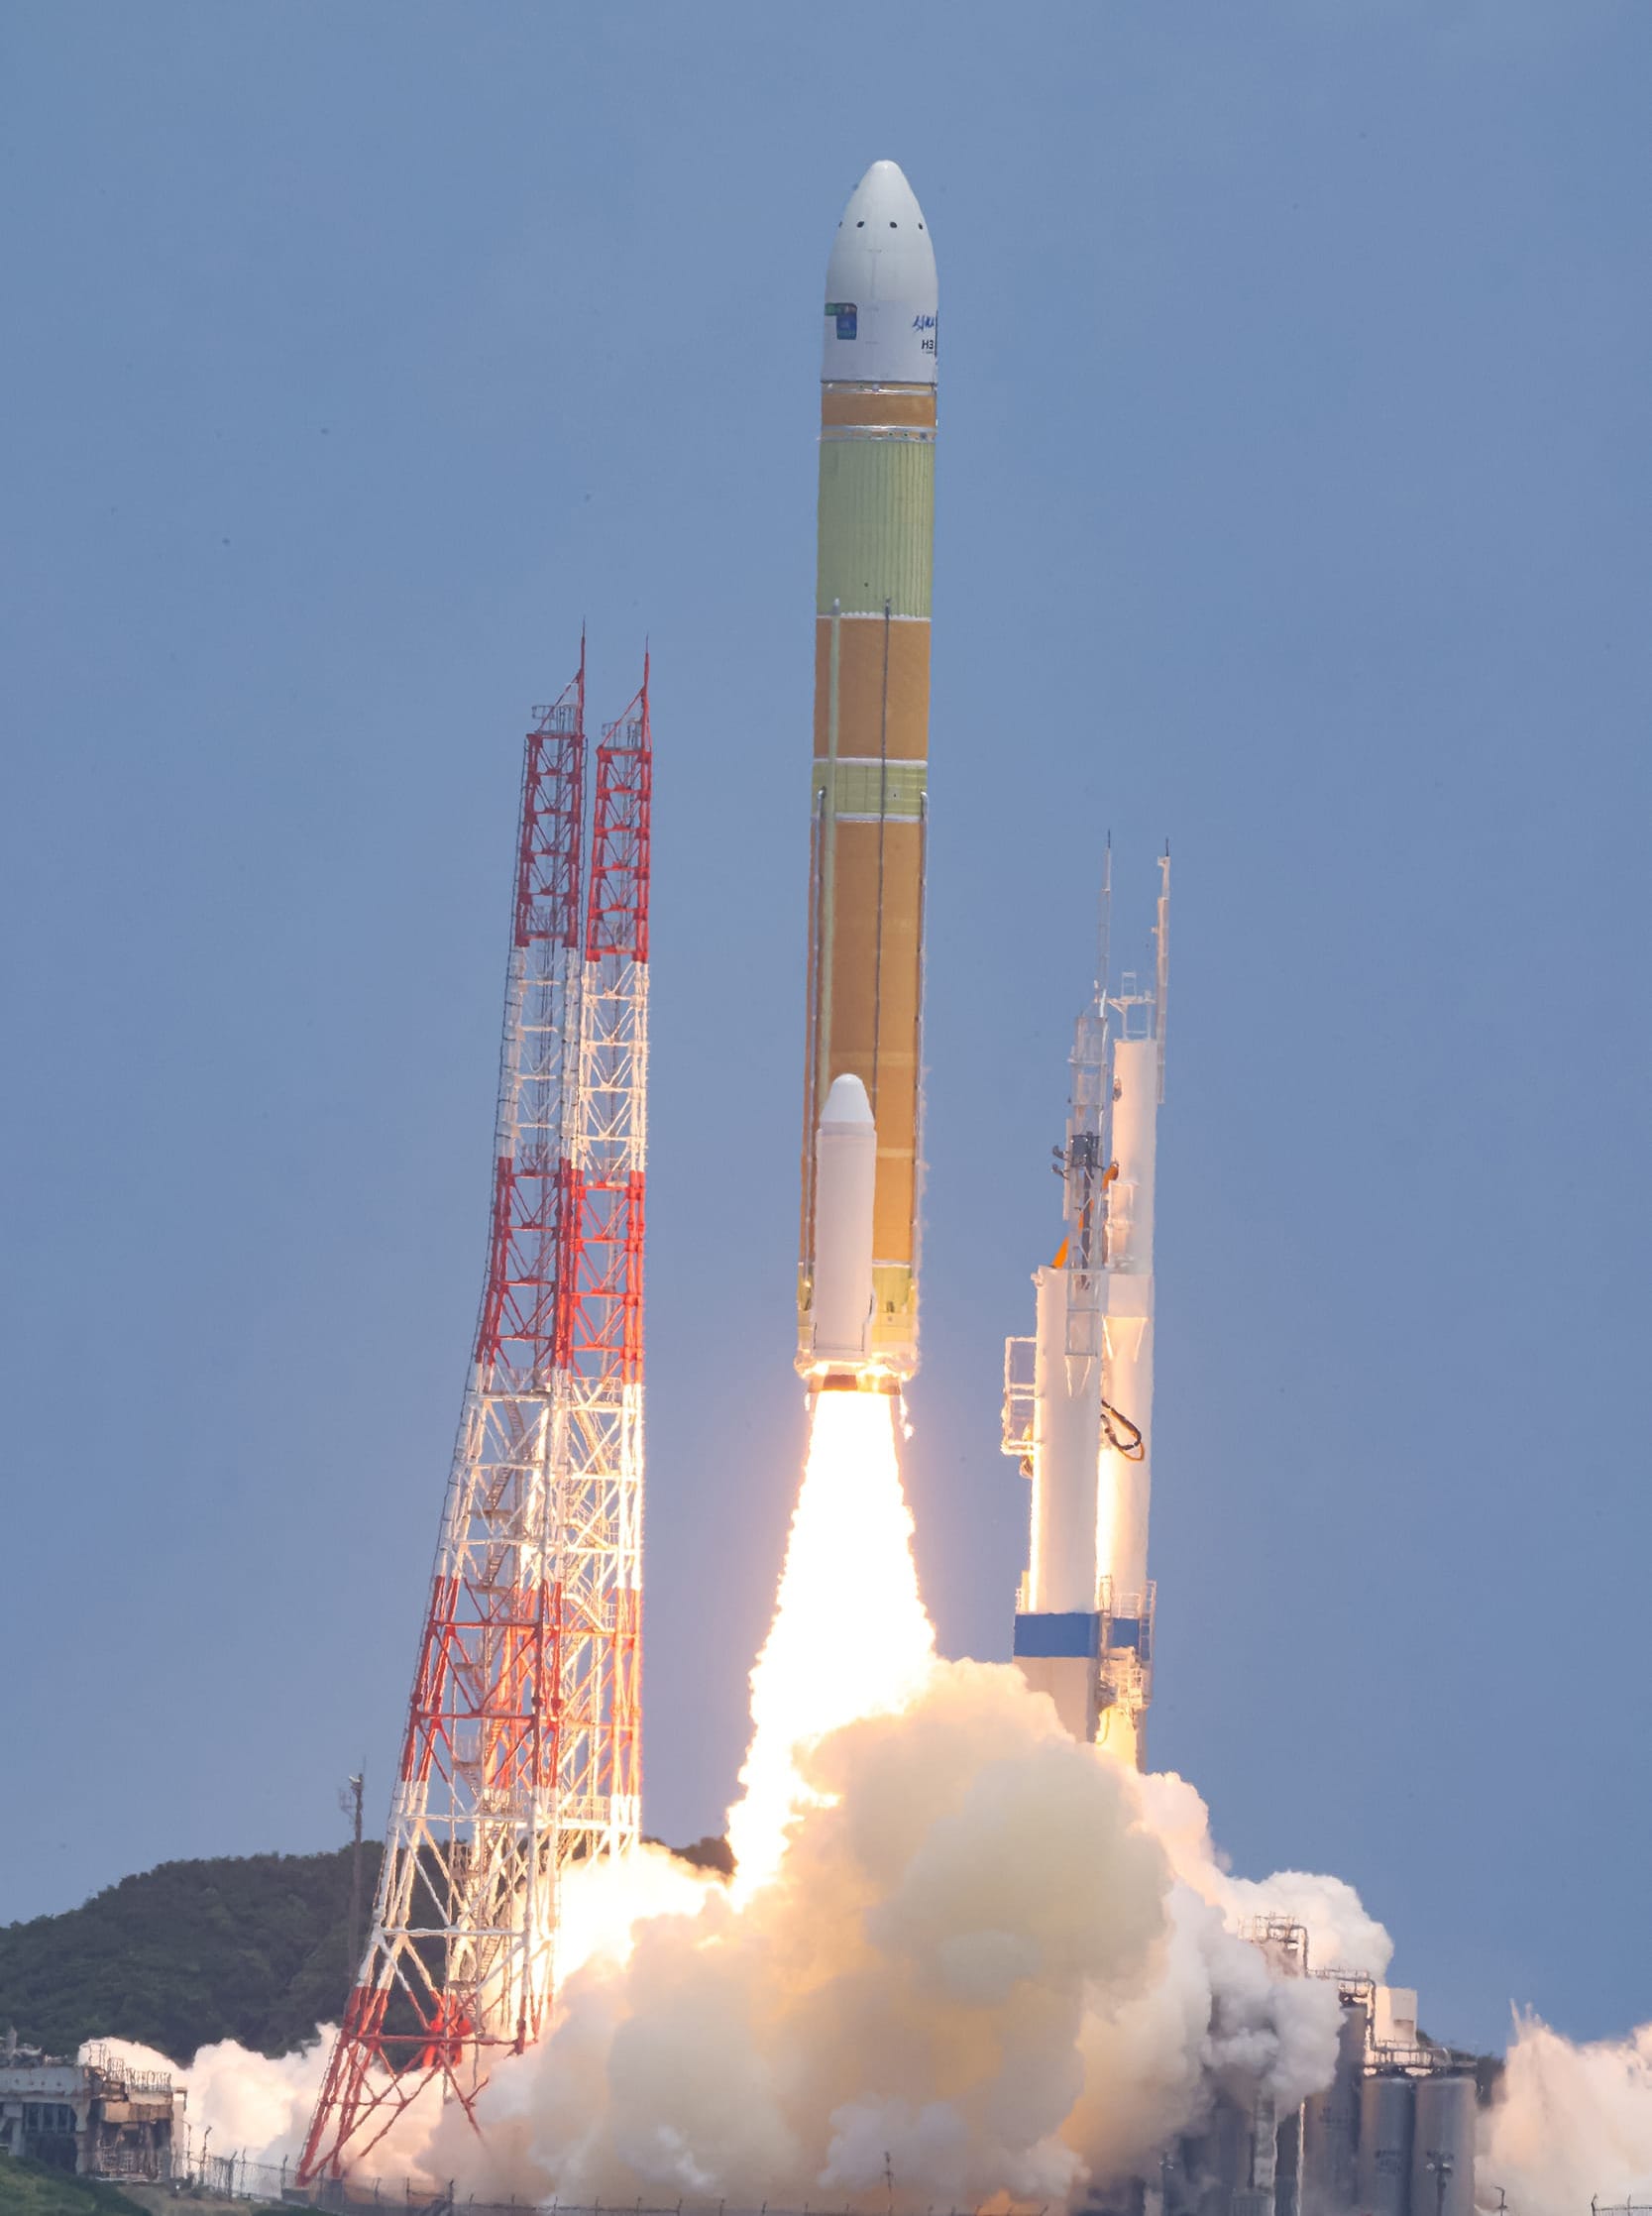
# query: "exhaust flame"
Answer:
x=850 y=1636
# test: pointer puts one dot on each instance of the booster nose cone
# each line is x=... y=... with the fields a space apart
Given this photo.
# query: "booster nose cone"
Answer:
x=847 y=1107
x=880 y=303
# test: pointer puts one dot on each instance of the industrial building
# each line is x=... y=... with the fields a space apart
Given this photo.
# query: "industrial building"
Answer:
x=98 y=2116
x=1392 y=2135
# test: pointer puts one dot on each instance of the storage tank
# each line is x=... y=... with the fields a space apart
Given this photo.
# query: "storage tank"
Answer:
x=1331 y=2124
x=1228 y=2142
x=1386 y=2110
x=1288 y=2174
x=1212 y=2164
x=1443 y=2147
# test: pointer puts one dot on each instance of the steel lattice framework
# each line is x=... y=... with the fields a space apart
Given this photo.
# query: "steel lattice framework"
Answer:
x=522 y=1750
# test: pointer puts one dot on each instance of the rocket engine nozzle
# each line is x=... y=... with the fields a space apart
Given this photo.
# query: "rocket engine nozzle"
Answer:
x=867 y=1379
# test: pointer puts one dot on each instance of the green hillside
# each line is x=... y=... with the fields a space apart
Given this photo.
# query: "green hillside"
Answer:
x=252 y=1948
x=30 y=2189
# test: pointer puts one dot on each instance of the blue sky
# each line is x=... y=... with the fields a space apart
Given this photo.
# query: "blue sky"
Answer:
x=1293 y=504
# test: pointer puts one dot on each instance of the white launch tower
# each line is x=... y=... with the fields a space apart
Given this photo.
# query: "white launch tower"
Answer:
x=1078 y=1395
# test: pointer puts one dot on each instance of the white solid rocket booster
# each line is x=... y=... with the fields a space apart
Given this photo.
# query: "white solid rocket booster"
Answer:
x=845 y=1187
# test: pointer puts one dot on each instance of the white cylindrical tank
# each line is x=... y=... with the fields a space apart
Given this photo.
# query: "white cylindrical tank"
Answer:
x=1125 y=1487
x=1443 y=2147
x=1066 y=1413
x=1386 y=2111
x=845 y=1184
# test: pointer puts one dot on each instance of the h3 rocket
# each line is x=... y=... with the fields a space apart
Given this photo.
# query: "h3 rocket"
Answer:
x=857 y=1267
x=1078 y=1395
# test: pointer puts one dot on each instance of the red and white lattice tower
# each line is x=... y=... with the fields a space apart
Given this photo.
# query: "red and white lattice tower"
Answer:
x=523 y=1751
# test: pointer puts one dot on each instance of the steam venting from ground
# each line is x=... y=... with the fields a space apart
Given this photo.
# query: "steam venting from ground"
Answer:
x=1574 y=2123
x=964 y=1956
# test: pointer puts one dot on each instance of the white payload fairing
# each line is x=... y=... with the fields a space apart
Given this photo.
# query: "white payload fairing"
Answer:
x=1078 y=1395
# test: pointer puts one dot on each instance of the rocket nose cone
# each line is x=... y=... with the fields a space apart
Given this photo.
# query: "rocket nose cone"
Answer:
x=881 y=295
x=847 y=1104
x=884 y=191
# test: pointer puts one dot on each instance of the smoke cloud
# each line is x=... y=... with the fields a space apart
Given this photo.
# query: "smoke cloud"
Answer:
x=966 y=1956
x=1571 y=2124
x=978 y=1969
x=981 y=1962
x=250 y=2103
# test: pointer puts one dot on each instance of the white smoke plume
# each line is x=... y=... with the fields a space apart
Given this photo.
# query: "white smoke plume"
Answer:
x=965 y=1955
x=1571 y=2124
x=249 y=2103
x=975 y=1964
x=1340 y=1934
x=256 y=2105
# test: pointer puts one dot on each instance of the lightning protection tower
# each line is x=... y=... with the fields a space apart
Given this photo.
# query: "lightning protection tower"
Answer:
x=522 y=1755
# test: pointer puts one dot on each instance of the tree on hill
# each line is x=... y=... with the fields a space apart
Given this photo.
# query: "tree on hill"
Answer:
x=252 y=1948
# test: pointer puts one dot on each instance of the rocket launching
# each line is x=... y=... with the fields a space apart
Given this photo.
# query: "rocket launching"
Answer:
x=959 y=1943
x=869 y=797
x=1081 y=1422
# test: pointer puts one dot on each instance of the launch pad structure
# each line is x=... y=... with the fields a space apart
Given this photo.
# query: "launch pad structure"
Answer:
x=522 y=1752
x=1078 y=1394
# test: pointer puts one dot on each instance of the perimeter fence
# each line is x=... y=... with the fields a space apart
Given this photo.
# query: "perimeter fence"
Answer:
x=235 y=2177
